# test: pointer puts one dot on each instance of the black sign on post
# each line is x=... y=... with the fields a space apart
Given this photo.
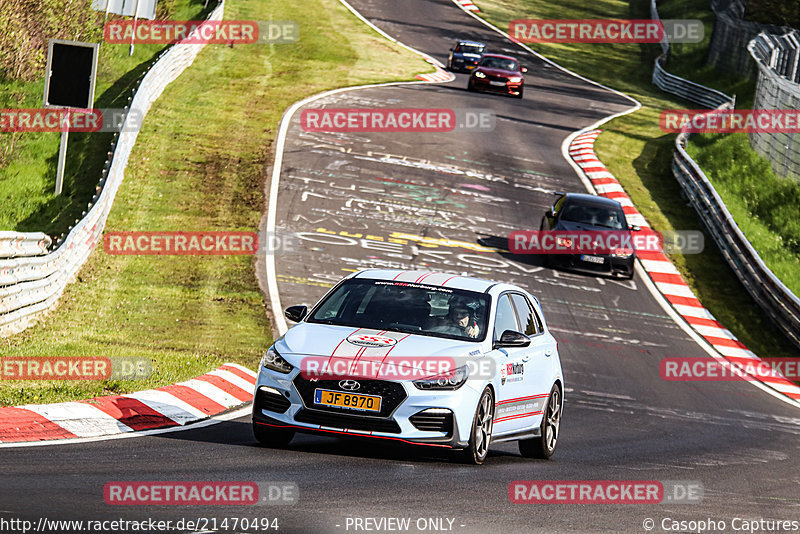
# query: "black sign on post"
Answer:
x=69 y=83
x=70 y=74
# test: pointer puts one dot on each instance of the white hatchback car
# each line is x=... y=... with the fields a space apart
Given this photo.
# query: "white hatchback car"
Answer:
x=427 y=358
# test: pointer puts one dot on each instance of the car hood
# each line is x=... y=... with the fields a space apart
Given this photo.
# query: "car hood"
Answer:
x=499 y=72
x=374 y=350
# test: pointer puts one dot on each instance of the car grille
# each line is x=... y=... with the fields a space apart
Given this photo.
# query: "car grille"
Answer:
x=353 y=422
x=267 y=400
x=433 y=422
x=496 y=78
x=391 y=393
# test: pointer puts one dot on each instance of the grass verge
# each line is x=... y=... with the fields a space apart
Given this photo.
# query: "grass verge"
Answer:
x=764 y=205
x=639 y=153
x=28 y=160
x=199 y=164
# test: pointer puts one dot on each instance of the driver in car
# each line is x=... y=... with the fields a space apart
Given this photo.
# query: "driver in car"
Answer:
x=462 y=318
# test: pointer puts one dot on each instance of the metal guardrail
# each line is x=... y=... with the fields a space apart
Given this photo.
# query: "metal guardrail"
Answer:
x=675 y=85
x=32 y=285
x=777 y=58
x=19 y=244
x=781 y=305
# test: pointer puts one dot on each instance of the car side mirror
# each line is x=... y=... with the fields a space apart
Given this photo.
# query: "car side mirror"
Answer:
x=510 y=338
x=523 y=70
x=451 y=49
x=295 y=313
x=635 y=228
x=549 y=213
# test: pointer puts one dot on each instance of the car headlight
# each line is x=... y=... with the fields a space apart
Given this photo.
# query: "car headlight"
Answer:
x=515 y=79
x=273 y=361
x=479 y=74
x=450 y=380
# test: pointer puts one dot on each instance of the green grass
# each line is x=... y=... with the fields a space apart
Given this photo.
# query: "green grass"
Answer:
x=200 y=164
x=764 y=205
x=28 y=160
x=639 y=153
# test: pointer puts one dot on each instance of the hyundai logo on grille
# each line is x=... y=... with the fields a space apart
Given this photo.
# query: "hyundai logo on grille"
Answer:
x=349 y=385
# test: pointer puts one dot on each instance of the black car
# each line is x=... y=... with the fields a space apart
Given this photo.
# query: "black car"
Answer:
x=582 y=212
x=465 y=56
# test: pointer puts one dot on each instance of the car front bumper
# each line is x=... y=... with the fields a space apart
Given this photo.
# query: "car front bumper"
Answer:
x=485 y=85
x=612 y=265
x=279 y=403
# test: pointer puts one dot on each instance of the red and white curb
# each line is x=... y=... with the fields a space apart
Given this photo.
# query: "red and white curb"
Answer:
x=439 y=76
x=213 y=393
x=468 y=5
x=663 y=273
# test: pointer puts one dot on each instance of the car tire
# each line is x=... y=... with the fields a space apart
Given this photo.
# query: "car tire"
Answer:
x=480 y=435
x=544 y=446
x=272 y=437
x=470 y=87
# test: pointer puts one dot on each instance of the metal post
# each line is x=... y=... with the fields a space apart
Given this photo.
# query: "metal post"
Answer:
x=133 y=34
x=62 y=153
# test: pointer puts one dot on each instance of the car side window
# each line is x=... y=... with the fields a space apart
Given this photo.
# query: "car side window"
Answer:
x=506 y=318
x=526 y=316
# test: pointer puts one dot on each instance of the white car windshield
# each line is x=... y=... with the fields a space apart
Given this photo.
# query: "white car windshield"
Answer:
x=406 y=307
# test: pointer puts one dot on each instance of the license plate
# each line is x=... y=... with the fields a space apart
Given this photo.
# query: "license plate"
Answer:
x=470 y=67
x=499 y=84
x=352 y=401
x=592 y=259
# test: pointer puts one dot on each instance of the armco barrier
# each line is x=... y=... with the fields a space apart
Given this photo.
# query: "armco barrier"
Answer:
x=778 y=302
x=778 y=60
x=32 y=285
x=21 y=244
x=675 y=85
x=667 y=279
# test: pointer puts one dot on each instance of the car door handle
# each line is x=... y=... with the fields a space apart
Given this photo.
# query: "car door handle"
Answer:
x=548 y=352
x=526 y=357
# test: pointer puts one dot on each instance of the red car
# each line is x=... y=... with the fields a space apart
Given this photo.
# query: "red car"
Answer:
x=498 y=74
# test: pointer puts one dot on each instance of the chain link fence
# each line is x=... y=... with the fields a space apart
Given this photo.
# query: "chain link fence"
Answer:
x=778 y=60
x=778 y=302
x=31 y=285
x=731 y=35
